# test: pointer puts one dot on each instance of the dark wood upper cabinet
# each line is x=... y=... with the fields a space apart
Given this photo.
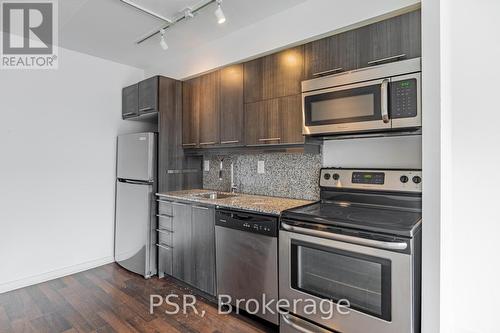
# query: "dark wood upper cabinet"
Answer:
x=130 y=97
x=190 y=112
x=274 y=121
x=275 y=75
x=392 y=39
x=332 y=55
x=231 y=105
x=290 y=109
x=209 y=109
x=262 y=122
x=148 y=95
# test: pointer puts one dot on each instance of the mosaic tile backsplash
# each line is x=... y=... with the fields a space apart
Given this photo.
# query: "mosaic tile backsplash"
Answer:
x=288 y=175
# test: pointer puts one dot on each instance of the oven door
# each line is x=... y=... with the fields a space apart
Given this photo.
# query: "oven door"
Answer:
x=376 y=282
x=351 y=108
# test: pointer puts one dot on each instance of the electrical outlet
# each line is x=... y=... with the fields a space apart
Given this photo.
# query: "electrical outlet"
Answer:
x=206 y=165
x=261 y=167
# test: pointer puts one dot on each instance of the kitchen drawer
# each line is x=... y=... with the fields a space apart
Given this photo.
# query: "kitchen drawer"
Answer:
x=165 y=207
x=164 y=260
x=165 y=222
x=165 y=236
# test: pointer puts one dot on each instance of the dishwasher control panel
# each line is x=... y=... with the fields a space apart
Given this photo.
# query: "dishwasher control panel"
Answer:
x=255 y=223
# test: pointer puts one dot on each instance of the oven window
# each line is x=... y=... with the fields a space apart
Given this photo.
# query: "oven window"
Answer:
x=343 y=106
x=364 y=281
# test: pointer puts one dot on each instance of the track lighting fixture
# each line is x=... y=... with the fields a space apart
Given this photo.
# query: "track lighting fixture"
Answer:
x=185 y=14
x=221 y=18
x=163 y=41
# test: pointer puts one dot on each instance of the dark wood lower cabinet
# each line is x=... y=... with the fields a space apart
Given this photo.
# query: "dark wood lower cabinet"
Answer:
x=193 y=242
x=182 y=267
x=203 y=248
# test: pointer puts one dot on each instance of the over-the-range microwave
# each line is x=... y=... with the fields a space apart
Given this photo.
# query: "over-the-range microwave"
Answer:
x=380 y=98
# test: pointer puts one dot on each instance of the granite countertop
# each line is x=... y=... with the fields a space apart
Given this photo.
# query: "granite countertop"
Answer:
x=257 y=203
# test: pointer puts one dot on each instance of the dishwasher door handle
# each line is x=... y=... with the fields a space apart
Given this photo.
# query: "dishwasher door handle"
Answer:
x=346 y=238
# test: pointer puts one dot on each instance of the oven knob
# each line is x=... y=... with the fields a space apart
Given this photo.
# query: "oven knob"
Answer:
x=404 y=179
x=336 y=176
x=326 y=176
x=417 y=180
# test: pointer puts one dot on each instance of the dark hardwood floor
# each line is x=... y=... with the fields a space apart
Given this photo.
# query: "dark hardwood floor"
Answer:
x=110 y=299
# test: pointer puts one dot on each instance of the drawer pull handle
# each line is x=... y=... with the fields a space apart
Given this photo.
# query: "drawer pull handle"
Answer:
x=128 y=114
x=378 y=61
x=189 y=144
x=207 y=143
x=165 y=247
x=165 y=216
x=200 y=207
x=147 y=108
x=229 y=142
x=165 y=231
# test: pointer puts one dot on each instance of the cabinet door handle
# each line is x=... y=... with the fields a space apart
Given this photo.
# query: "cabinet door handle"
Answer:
x=147 y=108
x=207 y=143
x=229 y=142
x=377 y=61
x=128 y=114
x=330 y=71
x=164 y=216
x=200 y=207
x=270 y=139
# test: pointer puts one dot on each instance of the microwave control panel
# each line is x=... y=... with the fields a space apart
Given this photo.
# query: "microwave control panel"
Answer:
x=403 y=98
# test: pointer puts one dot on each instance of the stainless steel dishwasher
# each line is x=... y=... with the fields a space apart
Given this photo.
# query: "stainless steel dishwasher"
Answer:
x=247 y=259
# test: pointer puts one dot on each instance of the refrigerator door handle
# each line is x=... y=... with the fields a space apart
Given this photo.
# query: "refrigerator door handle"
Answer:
x=135 y=182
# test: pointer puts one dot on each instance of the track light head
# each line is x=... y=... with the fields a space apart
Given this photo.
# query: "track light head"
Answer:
x=163 y=41
x=221 y=18
x=188 y=13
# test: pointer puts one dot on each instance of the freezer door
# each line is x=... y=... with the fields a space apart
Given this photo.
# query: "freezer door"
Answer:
x=136 y=157
x=133 y=227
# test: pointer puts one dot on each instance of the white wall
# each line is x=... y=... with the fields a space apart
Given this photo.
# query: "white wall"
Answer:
x=434 y=150
x=57 y=166
x=470 y=278
x=292 y=26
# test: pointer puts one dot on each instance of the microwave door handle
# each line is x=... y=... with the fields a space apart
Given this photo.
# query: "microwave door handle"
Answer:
x=384 y=98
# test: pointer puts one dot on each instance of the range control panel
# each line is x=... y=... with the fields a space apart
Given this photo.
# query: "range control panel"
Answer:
x=255 y=223
x=383 y=180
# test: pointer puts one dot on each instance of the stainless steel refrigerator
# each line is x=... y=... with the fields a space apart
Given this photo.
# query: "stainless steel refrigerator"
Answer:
x=135 y=220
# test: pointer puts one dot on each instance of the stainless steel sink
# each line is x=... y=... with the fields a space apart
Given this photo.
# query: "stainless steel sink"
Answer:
x=216 y=195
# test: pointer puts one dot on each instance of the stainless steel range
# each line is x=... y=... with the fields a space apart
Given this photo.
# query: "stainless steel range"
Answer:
x=359 y=250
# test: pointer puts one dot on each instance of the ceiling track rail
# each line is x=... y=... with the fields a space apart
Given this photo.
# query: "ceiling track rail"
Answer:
x=170 y=22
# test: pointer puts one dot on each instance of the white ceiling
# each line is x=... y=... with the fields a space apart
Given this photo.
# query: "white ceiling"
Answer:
x=109 y=28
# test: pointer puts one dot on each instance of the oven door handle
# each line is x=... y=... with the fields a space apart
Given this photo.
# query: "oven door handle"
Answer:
x=384 y=98
x=346 y=238
x=296 y=324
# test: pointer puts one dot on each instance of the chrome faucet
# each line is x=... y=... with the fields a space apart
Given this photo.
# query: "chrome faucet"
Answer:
x=233 y=185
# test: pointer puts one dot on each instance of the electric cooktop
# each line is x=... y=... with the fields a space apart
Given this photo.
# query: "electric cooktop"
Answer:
x=387 y=201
